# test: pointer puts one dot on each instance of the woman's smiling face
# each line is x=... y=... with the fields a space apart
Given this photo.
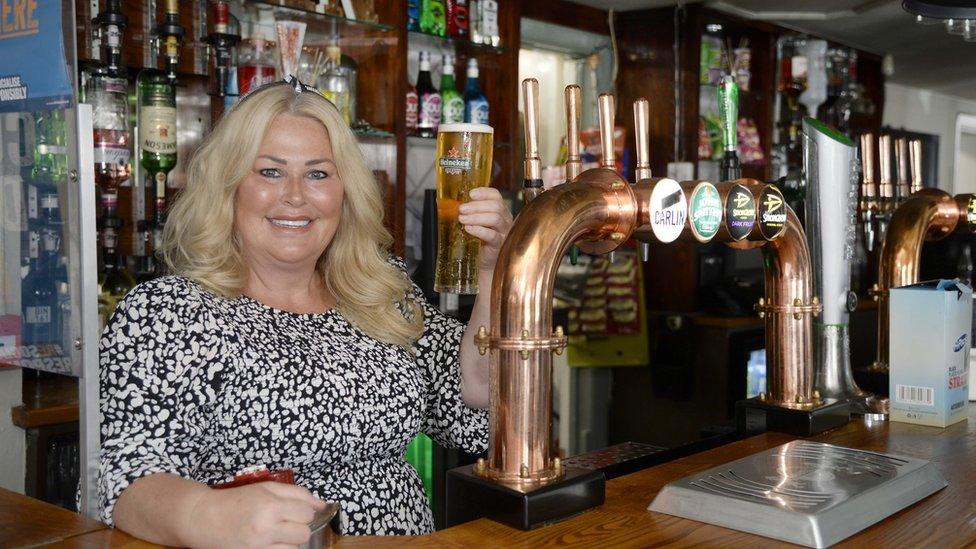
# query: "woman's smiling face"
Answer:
x=287 y=208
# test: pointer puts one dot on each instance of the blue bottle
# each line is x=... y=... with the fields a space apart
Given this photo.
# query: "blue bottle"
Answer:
x=413 y=15
x=475 y=103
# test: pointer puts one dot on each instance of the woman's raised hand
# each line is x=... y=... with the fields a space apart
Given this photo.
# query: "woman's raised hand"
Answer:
x=487 y=217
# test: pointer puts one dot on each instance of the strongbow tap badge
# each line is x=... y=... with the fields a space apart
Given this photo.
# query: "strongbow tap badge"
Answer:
x=740 y=212
x=772 y=213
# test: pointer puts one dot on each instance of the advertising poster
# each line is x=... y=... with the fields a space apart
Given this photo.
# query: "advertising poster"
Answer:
x=33 y=71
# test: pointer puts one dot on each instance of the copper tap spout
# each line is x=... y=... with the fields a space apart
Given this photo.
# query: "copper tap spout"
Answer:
x=869 y=185
x=789 y=307
x=598 y=209
x=930 y=214
x=606 y=109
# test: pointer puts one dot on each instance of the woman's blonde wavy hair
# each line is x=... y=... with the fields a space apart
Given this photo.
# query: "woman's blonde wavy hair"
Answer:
x=199 y=239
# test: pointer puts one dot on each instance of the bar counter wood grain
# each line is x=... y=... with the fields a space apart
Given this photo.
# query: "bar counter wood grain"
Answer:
x=945 y=519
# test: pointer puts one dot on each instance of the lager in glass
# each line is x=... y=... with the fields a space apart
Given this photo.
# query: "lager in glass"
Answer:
x=462 y=162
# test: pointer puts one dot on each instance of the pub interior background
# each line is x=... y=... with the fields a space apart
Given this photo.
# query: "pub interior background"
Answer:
x=664 y=365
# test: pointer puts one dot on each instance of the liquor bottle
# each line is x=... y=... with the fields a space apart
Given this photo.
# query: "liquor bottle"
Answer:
x=115 y=280
x=433 y=18
x=38 y=293
x=457 y=19
x=110 y=23
x=413 y=110
x=728 y=107
x=335 y=84
x=171 y=33
x=50 y=151
x=452 y=104
x=257 y=64
x=429 y=114
x=157 y=139
x=413 y=15
x=222 y=43
x=475 y=102
x=109 y=97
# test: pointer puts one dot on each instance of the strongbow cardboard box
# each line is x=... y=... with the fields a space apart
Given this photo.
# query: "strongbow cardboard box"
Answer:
x=929 y=352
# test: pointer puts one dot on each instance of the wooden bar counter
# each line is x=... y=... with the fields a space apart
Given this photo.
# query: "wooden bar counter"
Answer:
x=945 y=519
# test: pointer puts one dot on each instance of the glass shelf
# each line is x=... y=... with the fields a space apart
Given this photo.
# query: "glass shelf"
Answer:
x=373 y=134
x=431 y=40
x=307 y=15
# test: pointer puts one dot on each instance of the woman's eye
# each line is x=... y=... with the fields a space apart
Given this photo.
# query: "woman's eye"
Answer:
x=317 y=174
x=270 y=172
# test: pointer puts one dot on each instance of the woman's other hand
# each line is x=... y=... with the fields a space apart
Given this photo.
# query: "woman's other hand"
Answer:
x=266 y=514
x=487 y=217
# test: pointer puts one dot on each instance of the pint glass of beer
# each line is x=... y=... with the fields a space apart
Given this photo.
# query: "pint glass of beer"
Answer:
x=462 y=162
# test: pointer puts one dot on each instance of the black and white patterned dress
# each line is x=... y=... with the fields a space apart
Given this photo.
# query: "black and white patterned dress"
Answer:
x=202 y=386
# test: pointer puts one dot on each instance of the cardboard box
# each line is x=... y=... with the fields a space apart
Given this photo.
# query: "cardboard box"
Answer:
x=930 y=325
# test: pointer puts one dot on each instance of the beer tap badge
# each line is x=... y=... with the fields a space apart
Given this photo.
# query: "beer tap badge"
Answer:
x=772 y=213
x=705 y=211
x=740 y=212
x=971 y=211
x=669 y=210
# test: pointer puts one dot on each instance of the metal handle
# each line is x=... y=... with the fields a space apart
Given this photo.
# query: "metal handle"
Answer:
x=530 y=96
x=642 y=118
x=84 y=300
x=915 y=158
x=867 y=157
x=606 y=108
x=901 y=160
x=884 y=159
x=573 y=164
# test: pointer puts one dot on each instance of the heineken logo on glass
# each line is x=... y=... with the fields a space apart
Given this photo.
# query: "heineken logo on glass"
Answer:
x=740 y=212
x=669 y=210
x=705 y=211
x=772 y=213
x=454 y=163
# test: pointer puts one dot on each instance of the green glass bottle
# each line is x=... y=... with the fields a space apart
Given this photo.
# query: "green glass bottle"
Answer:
x=452 y=104
x=157 y=138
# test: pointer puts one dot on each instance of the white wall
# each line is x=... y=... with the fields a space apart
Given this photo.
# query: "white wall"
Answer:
x=12 y=438
x=928 y=112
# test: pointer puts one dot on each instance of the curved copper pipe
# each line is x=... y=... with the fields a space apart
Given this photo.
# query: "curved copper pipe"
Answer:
x=521 y=338
x=789 y=307
x=930 y=214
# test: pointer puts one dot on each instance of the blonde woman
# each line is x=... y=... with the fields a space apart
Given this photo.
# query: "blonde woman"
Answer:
x=288 y=337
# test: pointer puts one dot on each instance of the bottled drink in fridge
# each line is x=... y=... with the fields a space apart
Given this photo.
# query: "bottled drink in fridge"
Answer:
x=413 y=15
x=429 y=100
x=475 y=102
x=433 y=17
x=39 y=298
x=452 y=104
x=457 y=18
x=413 y=110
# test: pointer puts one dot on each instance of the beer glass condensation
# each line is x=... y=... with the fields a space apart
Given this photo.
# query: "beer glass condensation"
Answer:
x=462 y=163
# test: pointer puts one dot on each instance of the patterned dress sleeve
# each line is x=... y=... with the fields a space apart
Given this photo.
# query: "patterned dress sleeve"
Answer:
x=153 y=359
x=448 y=420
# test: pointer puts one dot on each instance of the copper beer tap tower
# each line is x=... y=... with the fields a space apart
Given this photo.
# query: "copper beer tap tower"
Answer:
x=599 y=210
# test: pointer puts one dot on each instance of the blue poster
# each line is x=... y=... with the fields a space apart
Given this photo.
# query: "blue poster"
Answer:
x=33 y=68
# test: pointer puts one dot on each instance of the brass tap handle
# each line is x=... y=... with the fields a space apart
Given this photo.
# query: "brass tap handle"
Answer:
x=606 y=108
x=915 y=159
x=573 y=164
x=642 y=119
x=885 y=187
x=867 y=158
x=532 y=182
x=901 y=160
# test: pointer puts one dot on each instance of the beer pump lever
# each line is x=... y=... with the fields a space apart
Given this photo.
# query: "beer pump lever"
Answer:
x=573 y=163
x=606 y=109
x=901 y=161
x=915 y=160
x=532 y=182
x=869 y=191
x=643 y=169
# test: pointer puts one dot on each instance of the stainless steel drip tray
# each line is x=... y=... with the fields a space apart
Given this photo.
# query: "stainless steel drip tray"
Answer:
x=809 y=493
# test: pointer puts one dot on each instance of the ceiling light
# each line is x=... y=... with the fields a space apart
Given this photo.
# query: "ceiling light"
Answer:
x=958 y=16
